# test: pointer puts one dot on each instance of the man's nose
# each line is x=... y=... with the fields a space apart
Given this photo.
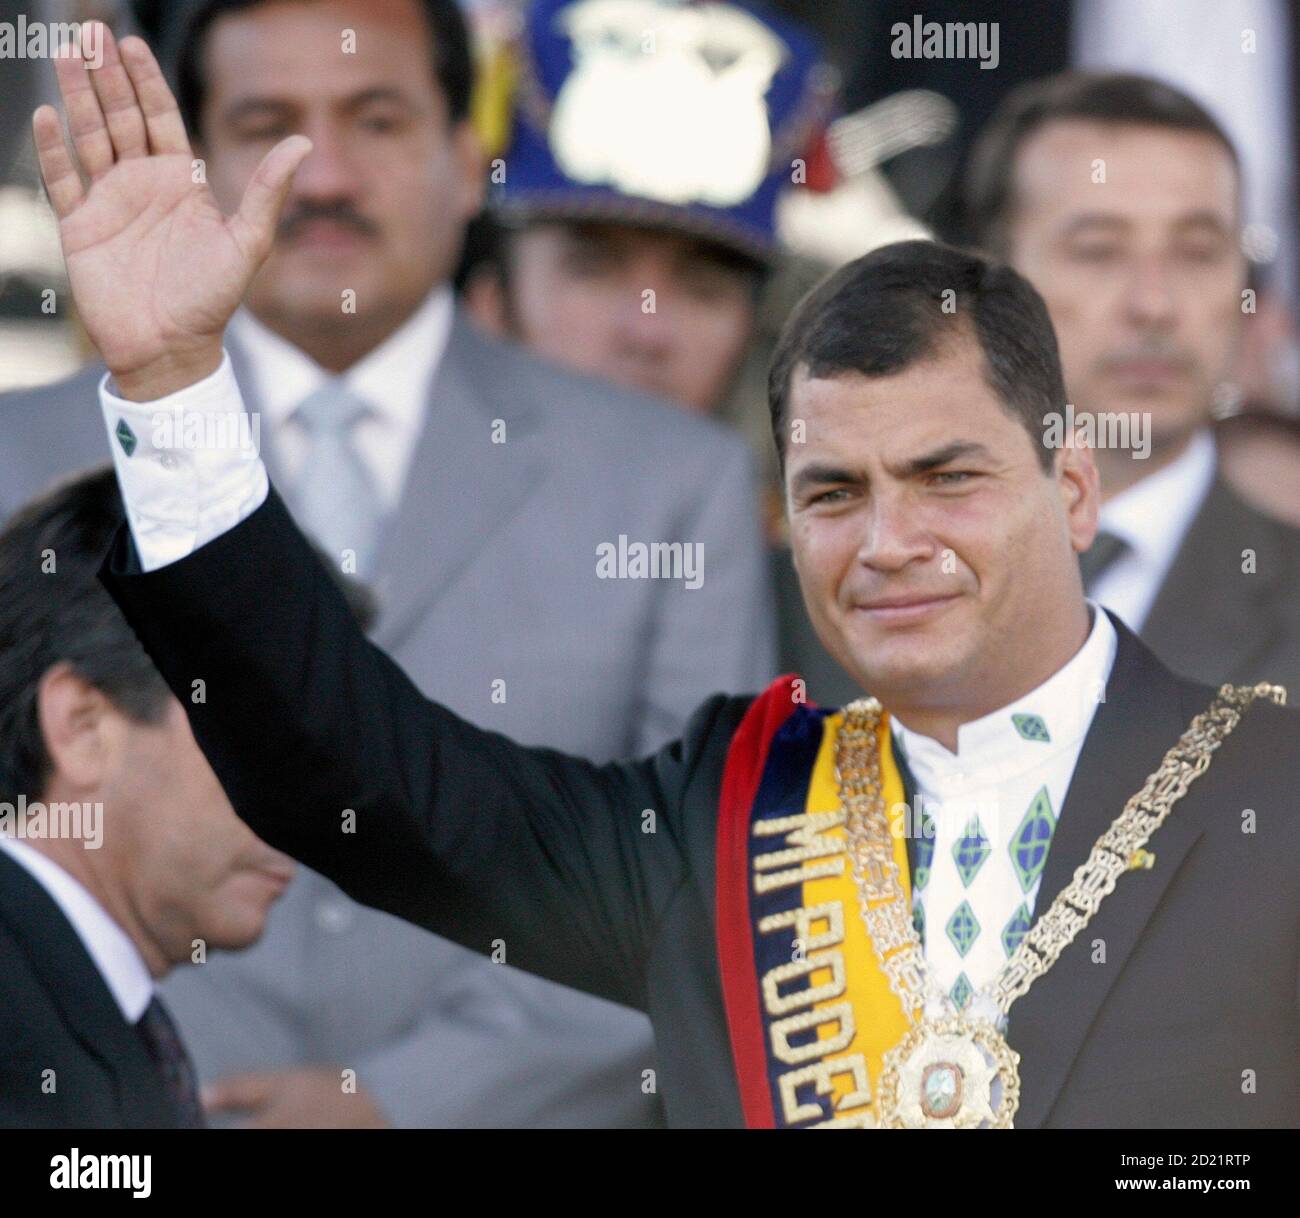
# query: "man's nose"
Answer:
x=643 y=327
x=1151 y=298
x=891 y=533
x=329 y=171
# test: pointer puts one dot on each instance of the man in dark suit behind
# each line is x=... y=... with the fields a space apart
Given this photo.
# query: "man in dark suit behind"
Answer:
x=1119 y=198
x=120 y=855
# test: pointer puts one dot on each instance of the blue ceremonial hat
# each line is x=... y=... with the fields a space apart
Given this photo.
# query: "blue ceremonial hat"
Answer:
x=688 y=115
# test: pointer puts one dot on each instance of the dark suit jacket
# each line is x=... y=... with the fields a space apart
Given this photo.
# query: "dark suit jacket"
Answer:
x=490 y=843
x=1215 y=622
x=58 y=1014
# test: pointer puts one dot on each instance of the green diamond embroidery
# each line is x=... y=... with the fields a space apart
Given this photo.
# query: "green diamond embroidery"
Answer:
x=1015 y=930
x=969 y=853
x=961 y=991
x=1031 y=839
x=918 y=920
x=924 y=851
x=125 y=437
x=962 y=928
x=1031 y=727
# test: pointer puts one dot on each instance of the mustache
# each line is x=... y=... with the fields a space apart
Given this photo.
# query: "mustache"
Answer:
x=293 y=222
x=1150 y=349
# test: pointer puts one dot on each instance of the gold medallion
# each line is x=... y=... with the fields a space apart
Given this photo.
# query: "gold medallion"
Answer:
x=953 y=1074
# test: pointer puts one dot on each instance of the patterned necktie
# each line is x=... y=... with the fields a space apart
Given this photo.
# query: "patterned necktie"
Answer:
x=334 y=496
x=1098 y=557
x=168 y=1053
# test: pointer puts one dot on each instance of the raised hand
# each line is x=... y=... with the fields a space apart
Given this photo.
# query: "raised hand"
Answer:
x=155 y=268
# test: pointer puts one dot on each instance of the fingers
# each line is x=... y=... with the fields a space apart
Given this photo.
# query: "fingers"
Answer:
x=253 y=226
x=62 y=181
x=162 y=116
x=86 y=125
x=118 y=103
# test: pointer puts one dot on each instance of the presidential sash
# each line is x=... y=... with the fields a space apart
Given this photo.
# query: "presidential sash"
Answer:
x=809 y=1009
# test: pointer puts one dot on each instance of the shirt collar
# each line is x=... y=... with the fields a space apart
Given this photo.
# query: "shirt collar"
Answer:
x=1154 y=513
x=393 y=379
x=1034 y=728
x=110 y=948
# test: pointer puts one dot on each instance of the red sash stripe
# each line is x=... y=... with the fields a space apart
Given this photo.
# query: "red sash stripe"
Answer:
x=746 y=758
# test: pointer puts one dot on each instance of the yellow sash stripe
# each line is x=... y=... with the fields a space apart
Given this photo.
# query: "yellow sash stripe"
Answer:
x=879 y=1022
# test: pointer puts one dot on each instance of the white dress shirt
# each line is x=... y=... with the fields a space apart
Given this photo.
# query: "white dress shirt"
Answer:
x=1015 y=759
x=180 y=495
x=393 y=380
x=118 y=959
x=1153 y=517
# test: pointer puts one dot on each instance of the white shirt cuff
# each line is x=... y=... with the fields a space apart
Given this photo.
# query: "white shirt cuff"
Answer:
x=188 y=464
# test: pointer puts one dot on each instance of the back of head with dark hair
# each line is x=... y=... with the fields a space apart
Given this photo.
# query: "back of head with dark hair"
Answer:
x=1104 y=97
x=453 y=63
x=54 y=610
x=904 y=303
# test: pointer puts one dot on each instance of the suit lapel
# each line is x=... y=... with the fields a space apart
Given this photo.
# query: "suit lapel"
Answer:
x=1141 y=718
x=1235 y=624
x=74 y=984
x=462 y=487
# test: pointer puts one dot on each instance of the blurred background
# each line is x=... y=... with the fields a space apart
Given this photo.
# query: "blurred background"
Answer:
x=895 y=150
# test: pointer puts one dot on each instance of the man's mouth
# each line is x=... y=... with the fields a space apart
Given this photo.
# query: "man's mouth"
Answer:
x=326 y=235
x=906 y=609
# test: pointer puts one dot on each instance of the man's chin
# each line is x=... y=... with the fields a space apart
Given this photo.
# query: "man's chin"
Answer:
x=891 y=661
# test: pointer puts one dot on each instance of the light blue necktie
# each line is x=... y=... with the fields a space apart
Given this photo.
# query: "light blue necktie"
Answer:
x=334 y=495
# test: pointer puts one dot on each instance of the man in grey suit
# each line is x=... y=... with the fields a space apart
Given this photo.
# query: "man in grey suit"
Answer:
x=383 y=417
x=1119 y=197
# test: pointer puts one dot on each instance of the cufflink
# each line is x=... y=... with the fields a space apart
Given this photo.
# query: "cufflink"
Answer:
x=125 y=437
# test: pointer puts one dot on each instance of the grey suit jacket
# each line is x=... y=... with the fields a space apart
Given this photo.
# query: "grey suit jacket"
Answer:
x=490 y=600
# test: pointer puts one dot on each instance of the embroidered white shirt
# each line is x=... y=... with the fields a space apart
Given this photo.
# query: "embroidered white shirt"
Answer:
x=993 y=805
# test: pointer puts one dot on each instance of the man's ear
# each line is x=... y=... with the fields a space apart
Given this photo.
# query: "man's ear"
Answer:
x=472 y=164
x=1080 y=489
x=77 y=725
x=485 y=300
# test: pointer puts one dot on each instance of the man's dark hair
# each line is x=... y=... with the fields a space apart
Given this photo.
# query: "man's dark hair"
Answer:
x=902 y=304
x=1103 y=97
x=53 y=610
x=453 y=62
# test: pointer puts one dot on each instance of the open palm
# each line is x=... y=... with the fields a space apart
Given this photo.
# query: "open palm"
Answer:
x=155 y=268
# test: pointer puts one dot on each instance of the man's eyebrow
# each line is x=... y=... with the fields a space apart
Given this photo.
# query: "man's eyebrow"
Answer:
x=261 y=107
x=820 y=474
x=1204 y=218
x=1092 y=219
x=957 y=450
x=258 y=107
x=380 y=93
